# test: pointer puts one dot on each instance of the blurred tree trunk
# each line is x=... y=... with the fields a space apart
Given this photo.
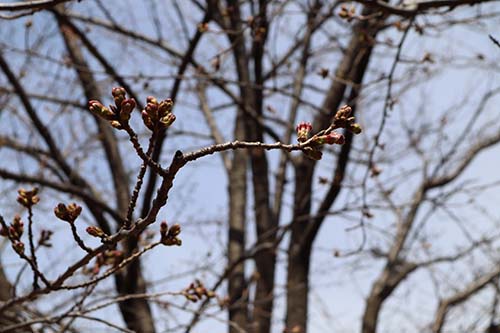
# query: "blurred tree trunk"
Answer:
x=305 y=226
x=237 y=287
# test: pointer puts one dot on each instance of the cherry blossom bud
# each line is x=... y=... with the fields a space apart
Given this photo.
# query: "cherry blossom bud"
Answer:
x=303 y=129
x=151 y=99
x=174 y=230
x=18 y=226
x=147 y=120
x=165 y=107
x=127 y=106
x=163 y=228
x=95 y=231
x=344 y=112
x=334 y=138
x=167 y=120
x=116 y=124
x=18 y=247
x=68 y=213
x=119 y=94
x=100 y=110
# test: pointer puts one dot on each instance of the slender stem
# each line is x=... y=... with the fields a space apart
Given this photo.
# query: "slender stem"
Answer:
x=32 y=247
x=77 y=238
x=140 y=180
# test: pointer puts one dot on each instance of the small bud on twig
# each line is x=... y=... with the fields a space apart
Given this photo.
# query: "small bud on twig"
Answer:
x=95 y=231
x=28 y=198
x=303 y=129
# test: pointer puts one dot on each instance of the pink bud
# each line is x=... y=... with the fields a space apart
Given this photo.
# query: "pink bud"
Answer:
x=334 y=138
x=303 y=129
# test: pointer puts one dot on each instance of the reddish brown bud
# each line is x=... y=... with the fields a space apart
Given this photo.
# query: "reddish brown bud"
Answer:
x=152 y=110
x=95 y=231
x=334 y=138
x=118 y=91
x=119 y=94
x=18 y=247
x=163 y=229
x=67 y=213
x=74 y=210
x=127 y=106
x=174 y=230
x=344 y=112
x=17 y=227
x=151 y=99
x=147 y=120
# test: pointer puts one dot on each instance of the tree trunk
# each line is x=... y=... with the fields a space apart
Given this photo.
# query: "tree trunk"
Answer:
x=237 y=288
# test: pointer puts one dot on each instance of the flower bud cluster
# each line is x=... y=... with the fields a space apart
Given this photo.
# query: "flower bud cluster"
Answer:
x=343 y=119
x=158 y=114
x=197 y=291
x=14 y=232
x=168 y=236
x=68 y=213
x=28 y=198
x=117 y=114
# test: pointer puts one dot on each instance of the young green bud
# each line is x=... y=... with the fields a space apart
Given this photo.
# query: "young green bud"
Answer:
x=167 y=120
x=355 y=128
x=165 y=107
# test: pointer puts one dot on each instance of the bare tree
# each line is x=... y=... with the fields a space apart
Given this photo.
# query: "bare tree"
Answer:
x=279 y=90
